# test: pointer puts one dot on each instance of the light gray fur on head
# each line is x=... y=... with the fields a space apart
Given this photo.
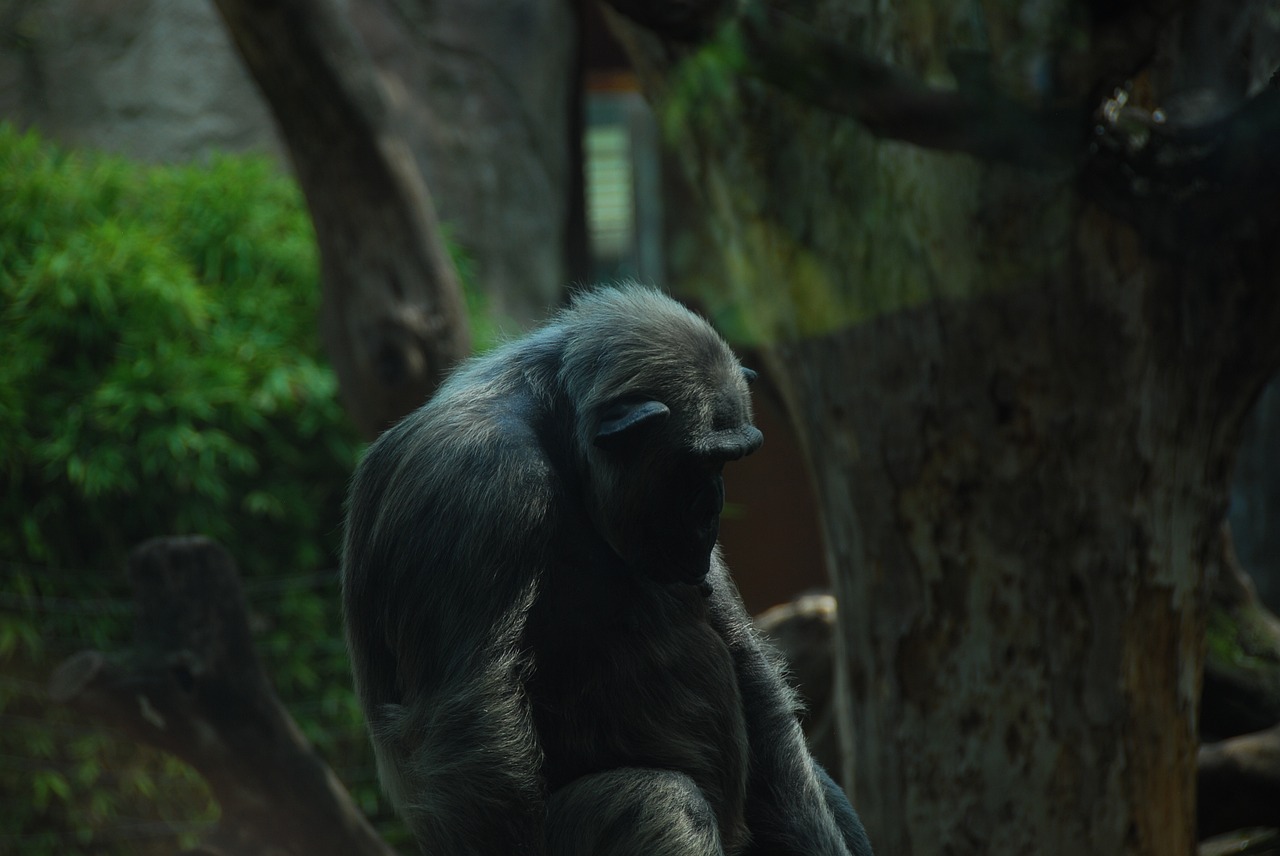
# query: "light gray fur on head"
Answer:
x=635 y=343
x=630 y=341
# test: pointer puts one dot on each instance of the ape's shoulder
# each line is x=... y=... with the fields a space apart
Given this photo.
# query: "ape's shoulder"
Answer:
x=468 y=471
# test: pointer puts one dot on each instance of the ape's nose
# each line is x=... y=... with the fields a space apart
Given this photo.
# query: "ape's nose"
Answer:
x=732 y=443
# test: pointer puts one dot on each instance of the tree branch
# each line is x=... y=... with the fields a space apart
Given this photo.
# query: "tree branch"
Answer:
x=1239 y=783
x=193 y=686
x=804 y=632
x=779 y=49
x=1206 y=175
x=393 y=319
x=1215 y=179
x=976 y=120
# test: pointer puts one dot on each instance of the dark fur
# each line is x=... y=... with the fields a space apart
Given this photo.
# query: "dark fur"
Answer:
x=550 y=653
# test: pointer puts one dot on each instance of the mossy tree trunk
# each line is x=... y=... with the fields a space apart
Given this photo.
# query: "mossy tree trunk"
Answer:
x=1019 y=317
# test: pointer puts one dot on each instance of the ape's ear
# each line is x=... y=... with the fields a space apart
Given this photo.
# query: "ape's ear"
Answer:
x=623 y=421
x=749 y=375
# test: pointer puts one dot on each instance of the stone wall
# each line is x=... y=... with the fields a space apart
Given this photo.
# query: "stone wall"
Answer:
x=150 y=79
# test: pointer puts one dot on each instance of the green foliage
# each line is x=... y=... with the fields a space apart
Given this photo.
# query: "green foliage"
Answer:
x=159 y=374
x=1242 y=640
x=704 y=85
x=161 y=363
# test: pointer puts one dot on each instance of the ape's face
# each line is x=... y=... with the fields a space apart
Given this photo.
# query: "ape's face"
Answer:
x=676 y=518
x=658 y=483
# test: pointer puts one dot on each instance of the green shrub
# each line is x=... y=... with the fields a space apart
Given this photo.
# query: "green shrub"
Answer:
x=159 y=374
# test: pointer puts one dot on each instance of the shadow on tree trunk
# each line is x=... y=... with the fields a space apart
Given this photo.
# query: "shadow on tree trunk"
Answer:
x=1238 y=777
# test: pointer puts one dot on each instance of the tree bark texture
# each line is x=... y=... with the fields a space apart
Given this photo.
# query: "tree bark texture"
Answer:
x=393 y=319
x=1018 y=529
x=1238 y=778
x=1019 y=389
x=194 y=687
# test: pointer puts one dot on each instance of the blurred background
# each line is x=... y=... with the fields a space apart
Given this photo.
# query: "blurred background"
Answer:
x=1007 y=271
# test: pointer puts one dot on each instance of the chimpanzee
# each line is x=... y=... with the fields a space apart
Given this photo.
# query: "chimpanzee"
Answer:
x=550 y=653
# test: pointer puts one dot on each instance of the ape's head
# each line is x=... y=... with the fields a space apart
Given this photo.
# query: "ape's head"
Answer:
x=662 y=406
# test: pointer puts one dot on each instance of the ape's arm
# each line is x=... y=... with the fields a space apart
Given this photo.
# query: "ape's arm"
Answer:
x=460 y=759
x=792 y=805
x=435 y=608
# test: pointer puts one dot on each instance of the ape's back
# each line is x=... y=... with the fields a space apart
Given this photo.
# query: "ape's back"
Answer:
x=448 y=518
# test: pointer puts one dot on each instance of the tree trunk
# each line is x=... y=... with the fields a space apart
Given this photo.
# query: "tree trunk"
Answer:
x=489 y=95
x=1019 y=386
x=392 y=319
x=1018 y=525
x=193 y=686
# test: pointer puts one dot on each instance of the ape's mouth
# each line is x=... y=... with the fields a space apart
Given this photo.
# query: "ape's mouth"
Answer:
x=673 y=575
x=693 y=577
x=694 y=565
x=677 y=547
